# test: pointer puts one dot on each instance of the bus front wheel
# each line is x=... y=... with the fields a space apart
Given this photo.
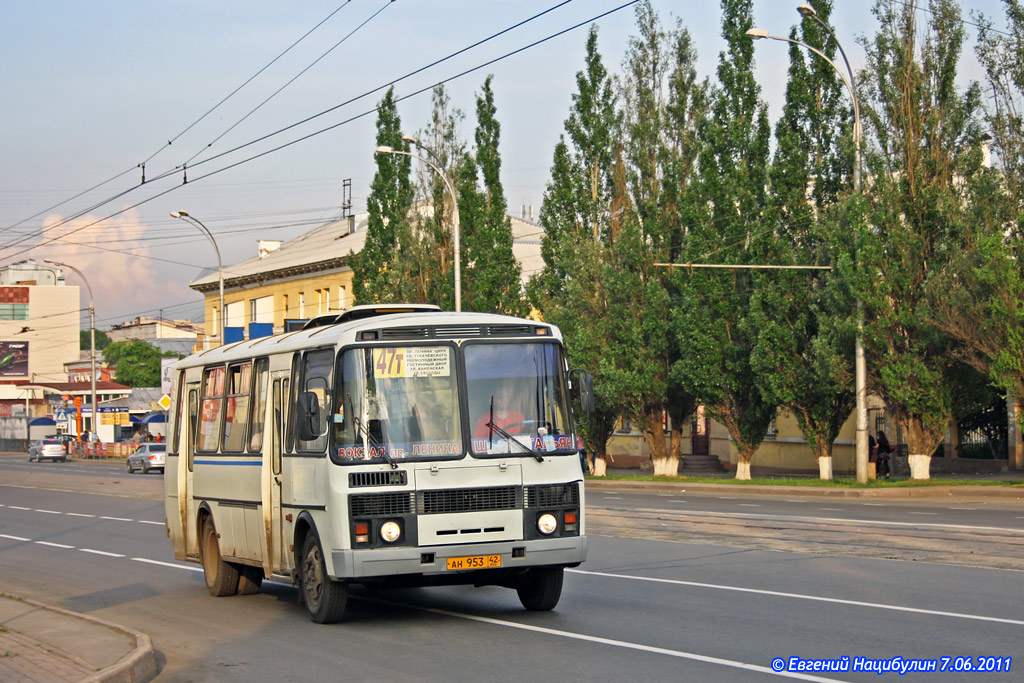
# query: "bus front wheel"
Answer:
x=325 y=599
x=540 y=588
x=221 y=577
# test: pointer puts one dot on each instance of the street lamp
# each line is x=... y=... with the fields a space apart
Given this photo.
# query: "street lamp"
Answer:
x=860 y=366
x=94 y=413
x=220 y=265
x=386 y=149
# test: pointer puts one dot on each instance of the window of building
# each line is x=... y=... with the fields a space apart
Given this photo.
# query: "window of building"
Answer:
x=341 y=298
x=13 y=311
x=302 y=304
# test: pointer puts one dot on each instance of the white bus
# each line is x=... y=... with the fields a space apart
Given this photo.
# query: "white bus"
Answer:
x=386 y=446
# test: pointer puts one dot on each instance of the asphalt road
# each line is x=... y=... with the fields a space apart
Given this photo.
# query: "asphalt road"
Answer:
x=91 y=539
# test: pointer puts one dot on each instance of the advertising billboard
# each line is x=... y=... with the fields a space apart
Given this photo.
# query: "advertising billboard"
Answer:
x=13 y=359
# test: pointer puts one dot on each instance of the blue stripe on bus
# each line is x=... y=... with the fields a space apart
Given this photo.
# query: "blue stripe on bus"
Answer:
x=244 y=463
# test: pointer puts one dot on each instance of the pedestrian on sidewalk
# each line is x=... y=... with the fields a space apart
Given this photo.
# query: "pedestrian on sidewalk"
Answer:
x=882 y=456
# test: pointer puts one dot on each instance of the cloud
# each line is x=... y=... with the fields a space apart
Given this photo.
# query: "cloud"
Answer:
x=113 y=255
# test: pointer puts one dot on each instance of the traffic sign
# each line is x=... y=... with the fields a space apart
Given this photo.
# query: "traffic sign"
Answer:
x=164 y=402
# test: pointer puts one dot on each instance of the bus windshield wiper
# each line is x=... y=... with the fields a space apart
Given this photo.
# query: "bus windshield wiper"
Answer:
x=373 y=442
x=509 y=437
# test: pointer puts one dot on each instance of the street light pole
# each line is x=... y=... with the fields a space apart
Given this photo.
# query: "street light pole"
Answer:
x=220 y=265
x=94 y=413
x=385 y=149
x=860 y=364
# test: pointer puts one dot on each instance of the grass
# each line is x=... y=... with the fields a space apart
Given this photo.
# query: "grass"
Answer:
x=809 y=482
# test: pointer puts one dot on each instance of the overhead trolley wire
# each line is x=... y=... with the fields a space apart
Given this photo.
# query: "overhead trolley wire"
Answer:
x=334 y=126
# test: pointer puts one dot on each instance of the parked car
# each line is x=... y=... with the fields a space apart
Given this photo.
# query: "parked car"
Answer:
x=47 y=449
x=148 y=456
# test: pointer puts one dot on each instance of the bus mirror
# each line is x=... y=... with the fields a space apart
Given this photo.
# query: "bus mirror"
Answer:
x=308 y=410
x=583 y=388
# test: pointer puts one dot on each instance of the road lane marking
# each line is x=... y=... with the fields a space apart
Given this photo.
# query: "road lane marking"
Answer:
x=832 y=509
x=797 y=596
x=14 y=538
x=727 y=498
x=963 y=508
x=48 y=512
x=924 y=513
x=18 y=507
x=100 y=552
x=55 y=545
x=875 y=505
x=748 y=505
x=118 y=519
x=676 y=500
x=77 y=514
x=146 y=521
x=613 y=497
x=706 y=659
x=174 y=566
x=796 y=501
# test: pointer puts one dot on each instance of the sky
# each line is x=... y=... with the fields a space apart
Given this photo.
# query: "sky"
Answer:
x=92 y=90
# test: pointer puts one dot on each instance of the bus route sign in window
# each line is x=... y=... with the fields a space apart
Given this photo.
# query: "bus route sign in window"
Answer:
x=397 y=403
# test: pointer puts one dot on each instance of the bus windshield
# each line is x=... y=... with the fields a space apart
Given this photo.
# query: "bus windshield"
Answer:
x=397 y=403
x=516 y=402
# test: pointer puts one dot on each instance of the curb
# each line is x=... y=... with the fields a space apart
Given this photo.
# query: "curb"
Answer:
x=1012 y=492
x=136 y=666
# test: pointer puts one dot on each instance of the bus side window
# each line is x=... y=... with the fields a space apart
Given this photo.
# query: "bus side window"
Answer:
x=288 y=399
x=317 y=369
x=259 y=406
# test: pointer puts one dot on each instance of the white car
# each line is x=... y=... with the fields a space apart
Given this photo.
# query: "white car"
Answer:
x=47 y=449
x=148 y=456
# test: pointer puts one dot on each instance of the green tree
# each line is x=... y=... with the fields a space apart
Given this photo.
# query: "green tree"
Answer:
x=85 y=340
x=136 y=362
x=491 y=281
x=803 y=355
x=926 y=165
x=713 y=326
x=577 y=210
x=379 y=274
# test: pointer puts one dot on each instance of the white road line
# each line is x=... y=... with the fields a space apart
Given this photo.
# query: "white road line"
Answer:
x=748 y=505
x=875 y=505
x=146 y=521
x=18 y=507
x=606 y=641
x=118 y=519
x=77 y=514
x=676 y=500
x=14 y=538
x=796 y=501
x=168 y=564
x=726 y=498
x=100 y=552
x=797 y=596
x=613 y=497
x=49 y=512
x=963 y=508
x=55 y=545
x=924 y=513
x=832 y=509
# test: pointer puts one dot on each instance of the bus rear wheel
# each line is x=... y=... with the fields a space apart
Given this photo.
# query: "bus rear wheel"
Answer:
x=221 y=577
x=325 y=599
x=540 y=588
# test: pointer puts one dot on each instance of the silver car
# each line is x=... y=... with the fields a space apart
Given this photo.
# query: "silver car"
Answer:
x=148 y=456
x=47 y=449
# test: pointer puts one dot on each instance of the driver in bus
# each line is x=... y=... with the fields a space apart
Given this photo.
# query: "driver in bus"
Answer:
x=504 y=415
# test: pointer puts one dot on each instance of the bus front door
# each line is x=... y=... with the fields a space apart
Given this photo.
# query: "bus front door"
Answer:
x=274 y=561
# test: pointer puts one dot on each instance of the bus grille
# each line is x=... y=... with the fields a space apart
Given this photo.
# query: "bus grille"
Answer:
x=389 y=478
x=553 y=496
x=469 y=500
x=380 y=504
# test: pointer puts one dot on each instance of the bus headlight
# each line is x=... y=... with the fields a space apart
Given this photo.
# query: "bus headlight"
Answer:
x=390 y=531
x=546 y=524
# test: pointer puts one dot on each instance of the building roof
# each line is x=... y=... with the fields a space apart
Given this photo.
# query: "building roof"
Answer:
x=141 y=399
x=81 y=388
x=324 y=248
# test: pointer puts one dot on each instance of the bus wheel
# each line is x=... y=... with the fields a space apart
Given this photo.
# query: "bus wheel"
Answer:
x=540 y=589
x=325 y=599
x=221 y=577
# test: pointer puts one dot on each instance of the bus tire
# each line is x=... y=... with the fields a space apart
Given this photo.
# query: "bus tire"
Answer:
x=325 y=598
x=249 y=579
x=221 y=577
x=540 y=588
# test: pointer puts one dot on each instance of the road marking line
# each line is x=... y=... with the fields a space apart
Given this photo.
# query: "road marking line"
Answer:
x=875 y=505
x=832 y=509
x=18 y=507
x=963 y=508
x=118 y=519
x=676 y=500
x=168 y=564
x=13 y=538
x=726 y=498
x=77 y=514
x=748 y=505
x=49 y=512
x=604 y=641
x=796 y=501
x=146 y=521
x=100 y=552
x=613 y=497
x=797 y=596
x=924 y=513
x=55 y=545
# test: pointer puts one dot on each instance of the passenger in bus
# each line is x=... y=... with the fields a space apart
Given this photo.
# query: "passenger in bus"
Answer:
x=504 y=415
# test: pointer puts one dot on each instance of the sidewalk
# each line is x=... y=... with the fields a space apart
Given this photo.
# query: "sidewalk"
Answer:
x=45 y=644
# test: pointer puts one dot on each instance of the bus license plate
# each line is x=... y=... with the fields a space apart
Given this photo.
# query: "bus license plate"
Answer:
x=475 y=562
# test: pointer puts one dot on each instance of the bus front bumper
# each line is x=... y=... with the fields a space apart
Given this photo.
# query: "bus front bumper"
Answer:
x=384 y=562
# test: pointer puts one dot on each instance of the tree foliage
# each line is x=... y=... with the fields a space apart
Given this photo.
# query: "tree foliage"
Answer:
x=85 y=340
x=136 y=362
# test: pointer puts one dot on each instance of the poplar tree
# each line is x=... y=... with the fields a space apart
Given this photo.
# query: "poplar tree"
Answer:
x=378 y=268
x=926 y=166
x=803 y=355
x=714 y=330
x=491 y=278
